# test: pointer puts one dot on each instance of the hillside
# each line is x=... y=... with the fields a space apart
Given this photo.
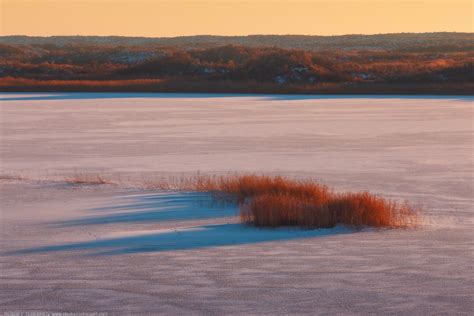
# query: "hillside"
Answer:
x=393 y=63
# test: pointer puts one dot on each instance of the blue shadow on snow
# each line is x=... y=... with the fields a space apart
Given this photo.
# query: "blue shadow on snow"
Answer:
x=160 y=207
x=197 y=237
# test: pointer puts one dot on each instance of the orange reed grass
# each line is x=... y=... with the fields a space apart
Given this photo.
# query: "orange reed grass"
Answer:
x=267 y=201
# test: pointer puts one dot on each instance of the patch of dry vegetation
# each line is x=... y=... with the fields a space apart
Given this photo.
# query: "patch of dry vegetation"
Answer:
x=86 y=179
x=7 y=83
x=267 y=201
x=424 y=68
x=8 y=177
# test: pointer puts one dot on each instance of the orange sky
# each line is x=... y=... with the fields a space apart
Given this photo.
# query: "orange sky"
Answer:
x=232 y=17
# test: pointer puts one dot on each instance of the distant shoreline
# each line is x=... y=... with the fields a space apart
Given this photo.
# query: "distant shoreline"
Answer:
x=162 y=86
x=416 y=64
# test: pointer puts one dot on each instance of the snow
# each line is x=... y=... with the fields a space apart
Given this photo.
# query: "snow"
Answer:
x=125 y=249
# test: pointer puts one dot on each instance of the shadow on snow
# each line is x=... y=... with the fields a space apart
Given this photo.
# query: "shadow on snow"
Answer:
x=179 y=207
x=197 y=237
x=161 y=207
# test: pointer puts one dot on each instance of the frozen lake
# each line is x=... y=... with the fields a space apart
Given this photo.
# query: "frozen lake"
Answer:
x=57 y=240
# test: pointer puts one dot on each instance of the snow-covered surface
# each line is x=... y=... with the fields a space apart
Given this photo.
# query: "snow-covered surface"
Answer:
x=119 y=249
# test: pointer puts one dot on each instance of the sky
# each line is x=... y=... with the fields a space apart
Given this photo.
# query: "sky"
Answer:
x=168 y=18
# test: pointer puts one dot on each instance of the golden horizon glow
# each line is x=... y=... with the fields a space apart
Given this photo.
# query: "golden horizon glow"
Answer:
x=232 y=17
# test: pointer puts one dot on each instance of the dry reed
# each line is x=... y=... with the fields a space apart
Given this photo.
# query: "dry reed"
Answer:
x=267 y=201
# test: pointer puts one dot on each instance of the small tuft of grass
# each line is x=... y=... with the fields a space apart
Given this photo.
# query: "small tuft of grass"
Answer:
x=86 y=179
x=10 y=177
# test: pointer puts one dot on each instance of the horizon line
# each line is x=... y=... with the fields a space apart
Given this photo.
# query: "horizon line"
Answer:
x=242 y=35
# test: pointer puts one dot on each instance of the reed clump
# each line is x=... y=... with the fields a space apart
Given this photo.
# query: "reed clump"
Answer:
x=267 y=201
